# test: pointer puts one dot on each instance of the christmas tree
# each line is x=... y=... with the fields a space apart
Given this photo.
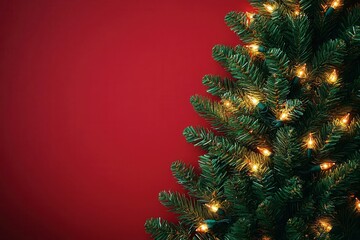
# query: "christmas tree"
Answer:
x=282 y=156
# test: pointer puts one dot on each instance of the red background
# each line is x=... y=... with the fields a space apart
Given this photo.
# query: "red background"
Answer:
x=94 y=96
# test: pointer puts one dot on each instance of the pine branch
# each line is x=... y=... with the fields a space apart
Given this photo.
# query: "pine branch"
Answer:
x=318 y=111
x=237 y=21
x=273 y=208
x=241 y=229
x=298 y=37
x=277 y=62
x=222 y=146
x=190 y=212
x=238 y=192
x=214 y=173
x=218 y=86
x=268 y=32
x=163 y=230
x=212 y=111
x=340 y=181
x=246 y=129
x=296 y=229
x=329 y=56
x=276 y=90
x=222 y=53
x=287 y=156
x=187 y=177
x=350 y=20
x=330 y=135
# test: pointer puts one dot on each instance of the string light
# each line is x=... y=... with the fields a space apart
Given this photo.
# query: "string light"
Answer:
x=297 y=12
x=326 y=165
x=325 y=225
x=227 y=104
x=357 y=204
x=310 y=142
x=203 y=228
x=333 y=77
x=249 y=18
x=256 y=48
x=258 y=104
x=335 y=4
x=345 y=120
x=253 y=167
x=264 y=151
x=213 y=206
x=301 y=71
x=254 y=100
x=266 y=238
x=284 y=116
x=270 y=8
x=208 y=224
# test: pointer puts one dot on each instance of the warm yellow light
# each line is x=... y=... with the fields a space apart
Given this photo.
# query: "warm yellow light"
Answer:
x=250 y=15
x=254 y=101
x=345 y=119
x=335 y=4
x=333 y=77
x=254 y=167
x=310 y=142
x=301 y=71
x=266 y=238
x=254 y=48
x=264 y=151
x=297 y=12
x=326 y=166
x=325 y=225
x=284 y=116
x=270 y=8
x=357 y=204
x=249 y=18
x=203 y=228
x=227 y=103
x=213 y=206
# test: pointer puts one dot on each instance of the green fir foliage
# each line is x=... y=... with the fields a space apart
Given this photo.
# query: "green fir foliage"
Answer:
x=295 y=76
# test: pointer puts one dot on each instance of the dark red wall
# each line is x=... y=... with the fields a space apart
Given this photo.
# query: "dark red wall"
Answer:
x=94 y=96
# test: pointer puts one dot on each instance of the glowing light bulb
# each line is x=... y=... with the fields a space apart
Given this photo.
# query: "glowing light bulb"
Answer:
x=270 y=8
x=297 y=12
x=284 y=116
x=253 y=167
x=326 y=166
x=250 y=15
x=266 y=238
x=227 y=103
x=325 y=225
x=203 y=228
x=335 y=4
x=333 y=77
x=264 y=151
x=254 y=101
x=310 y=142
x=301 y=71
x=213 y=206
x=357 y=204
x=345 y=120
x=254 y=48
x=249 y=18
